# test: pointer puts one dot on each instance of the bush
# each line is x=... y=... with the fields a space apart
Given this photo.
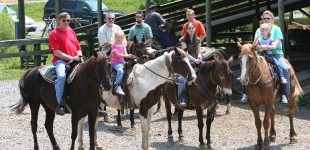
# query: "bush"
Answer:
x=7 y=30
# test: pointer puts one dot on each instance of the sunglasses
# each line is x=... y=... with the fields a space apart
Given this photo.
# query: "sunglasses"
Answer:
x=267 y=18
x=188 y=15
x=111 y=18
x=64 y=20
x=138 y=16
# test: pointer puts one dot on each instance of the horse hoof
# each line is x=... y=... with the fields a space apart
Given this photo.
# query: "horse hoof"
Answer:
x=81 y=148
x=202 y=146
x=272 y=138
x=170 y=139
x=293 y=140
x=227 y=113
x=133 y=126
x=181 y=139
x=210 y=146
x=99 y=148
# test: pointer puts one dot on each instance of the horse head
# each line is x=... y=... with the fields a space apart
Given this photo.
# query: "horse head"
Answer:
x=102 y=69
x=248 y=61
x=223 y=74
x=181 y=65
x=138 y=49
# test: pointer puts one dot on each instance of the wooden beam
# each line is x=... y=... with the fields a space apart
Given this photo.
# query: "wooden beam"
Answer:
x=304 y=12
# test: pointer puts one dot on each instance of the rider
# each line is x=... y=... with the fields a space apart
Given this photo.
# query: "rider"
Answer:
x=155 y=20
x=117 y=59
x=64 y=46
x=191 y=43
x=265 y=43
x=141 y=30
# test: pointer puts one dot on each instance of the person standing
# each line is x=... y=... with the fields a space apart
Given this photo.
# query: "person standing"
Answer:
x=200 y=29
x=155 y=20
x=65 y=47
x=191 y=43
x=141 y=30
x=106 y=33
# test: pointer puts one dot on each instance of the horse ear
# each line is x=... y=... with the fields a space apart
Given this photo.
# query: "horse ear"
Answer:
x=254 y=45
x=231 y=59
x=176 y=51
x=239 y=45
x=216 y=58
x=135 y=40
x=95 y=53
x=143 y=39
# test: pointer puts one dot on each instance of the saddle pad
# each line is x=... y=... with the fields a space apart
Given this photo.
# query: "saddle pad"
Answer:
x=48 y=73
x=207 y=52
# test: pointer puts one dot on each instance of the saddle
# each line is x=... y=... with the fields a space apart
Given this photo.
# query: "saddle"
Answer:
x=48 y=73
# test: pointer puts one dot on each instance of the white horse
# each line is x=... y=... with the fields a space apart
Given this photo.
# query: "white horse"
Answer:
x=144 y=88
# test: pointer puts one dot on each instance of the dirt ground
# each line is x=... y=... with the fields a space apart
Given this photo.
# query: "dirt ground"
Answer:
x=229 y=132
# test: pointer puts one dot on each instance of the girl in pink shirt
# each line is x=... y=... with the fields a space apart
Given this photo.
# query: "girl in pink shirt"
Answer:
x=118 y=54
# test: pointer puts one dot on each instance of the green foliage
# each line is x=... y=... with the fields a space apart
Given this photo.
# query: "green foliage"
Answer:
x=7 y=27
x=33 y=10
x=304 y=101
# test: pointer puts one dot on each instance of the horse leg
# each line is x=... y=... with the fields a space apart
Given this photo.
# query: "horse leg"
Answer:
x=228 y=105
x=131 y=118
x=200 y=127
x=34 y=122
x=145 y=127
x=209 y=120
x=266 y=123
x=49 y=121
x=158 y=106
x=180 y=130
x=119 y=120
x=290 y=113
x=74 y=124
x=93 y=122
x=169 y=115
x=80 y=134
x=272 y=136
x=258 y=124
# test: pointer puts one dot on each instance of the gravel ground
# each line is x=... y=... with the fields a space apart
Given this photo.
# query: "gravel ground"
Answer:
x=229 y=132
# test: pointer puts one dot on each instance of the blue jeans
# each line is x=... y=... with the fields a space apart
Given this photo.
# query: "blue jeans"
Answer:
x=182 y=83
x=276 y=63
x=60 y=67
x=163 y=38
x=119 y=67
x=280 y=58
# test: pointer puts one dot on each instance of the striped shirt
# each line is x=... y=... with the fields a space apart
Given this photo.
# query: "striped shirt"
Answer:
x=143 y=31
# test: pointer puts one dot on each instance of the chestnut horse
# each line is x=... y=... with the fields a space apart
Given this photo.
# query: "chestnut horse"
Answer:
x=262 y=89
x=144 y=84
x=211 y=77
x=85 y=95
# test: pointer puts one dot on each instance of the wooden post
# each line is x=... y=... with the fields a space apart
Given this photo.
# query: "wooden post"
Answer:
x=208 y=23
x=100 y=16
x=37 y=58
x=282 y=23
x=21 y=28
x=57 y=7
x=147 y=4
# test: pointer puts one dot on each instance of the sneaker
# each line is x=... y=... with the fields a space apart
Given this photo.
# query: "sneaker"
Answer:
x=244 y=98
x=182 y=102
x=119 y=90
x=284 y=99
x=283 y=80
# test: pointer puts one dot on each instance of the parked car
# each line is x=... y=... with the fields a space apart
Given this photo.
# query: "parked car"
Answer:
x=30 y=25
x=85 y=10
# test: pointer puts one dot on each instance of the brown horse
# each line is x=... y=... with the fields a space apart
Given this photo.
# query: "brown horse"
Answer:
x=85 y=95
x=262 y=89
x=211 y=76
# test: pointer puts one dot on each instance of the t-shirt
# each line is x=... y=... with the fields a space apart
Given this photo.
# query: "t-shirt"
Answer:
x=65 y=41
x=276 y=33
x=268 y=41
x=106 y=34
x=154 y=20
x=121 y=50
x=143 y=31
x=200 y=29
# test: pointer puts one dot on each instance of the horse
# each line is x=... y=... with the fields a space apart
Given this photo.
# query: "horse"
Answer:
x=263 y=89
x=84 y=97
x=212 y=76
x=144 y=85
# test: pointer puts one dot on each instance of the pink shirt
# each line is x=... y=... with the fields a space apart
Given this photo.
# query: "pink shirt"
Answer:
x=121 y=50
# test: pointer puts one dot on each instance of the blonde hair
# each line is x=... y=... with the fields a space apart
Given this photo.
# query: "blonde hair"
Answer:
x=267 y=12
x=119 y=33
x=266 y=27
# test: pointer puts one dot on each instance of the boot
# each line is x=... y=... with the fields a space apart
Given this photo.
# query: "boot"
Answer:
x=60 y=110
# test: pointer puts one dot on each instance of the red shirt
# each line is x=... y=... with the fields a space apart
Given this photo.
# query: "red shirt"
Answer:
x=65 y=41
x=200 y=29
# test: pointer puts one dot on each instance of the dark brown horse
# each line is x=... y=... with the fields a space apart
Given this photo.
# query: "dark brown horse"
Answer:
x=211 y=76
x=262 y=89
x=85 y=95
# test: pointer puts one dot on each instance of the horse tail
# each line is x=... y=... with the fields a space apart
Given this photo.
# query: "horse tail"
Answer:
x=20 y=106
x=298 y=89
